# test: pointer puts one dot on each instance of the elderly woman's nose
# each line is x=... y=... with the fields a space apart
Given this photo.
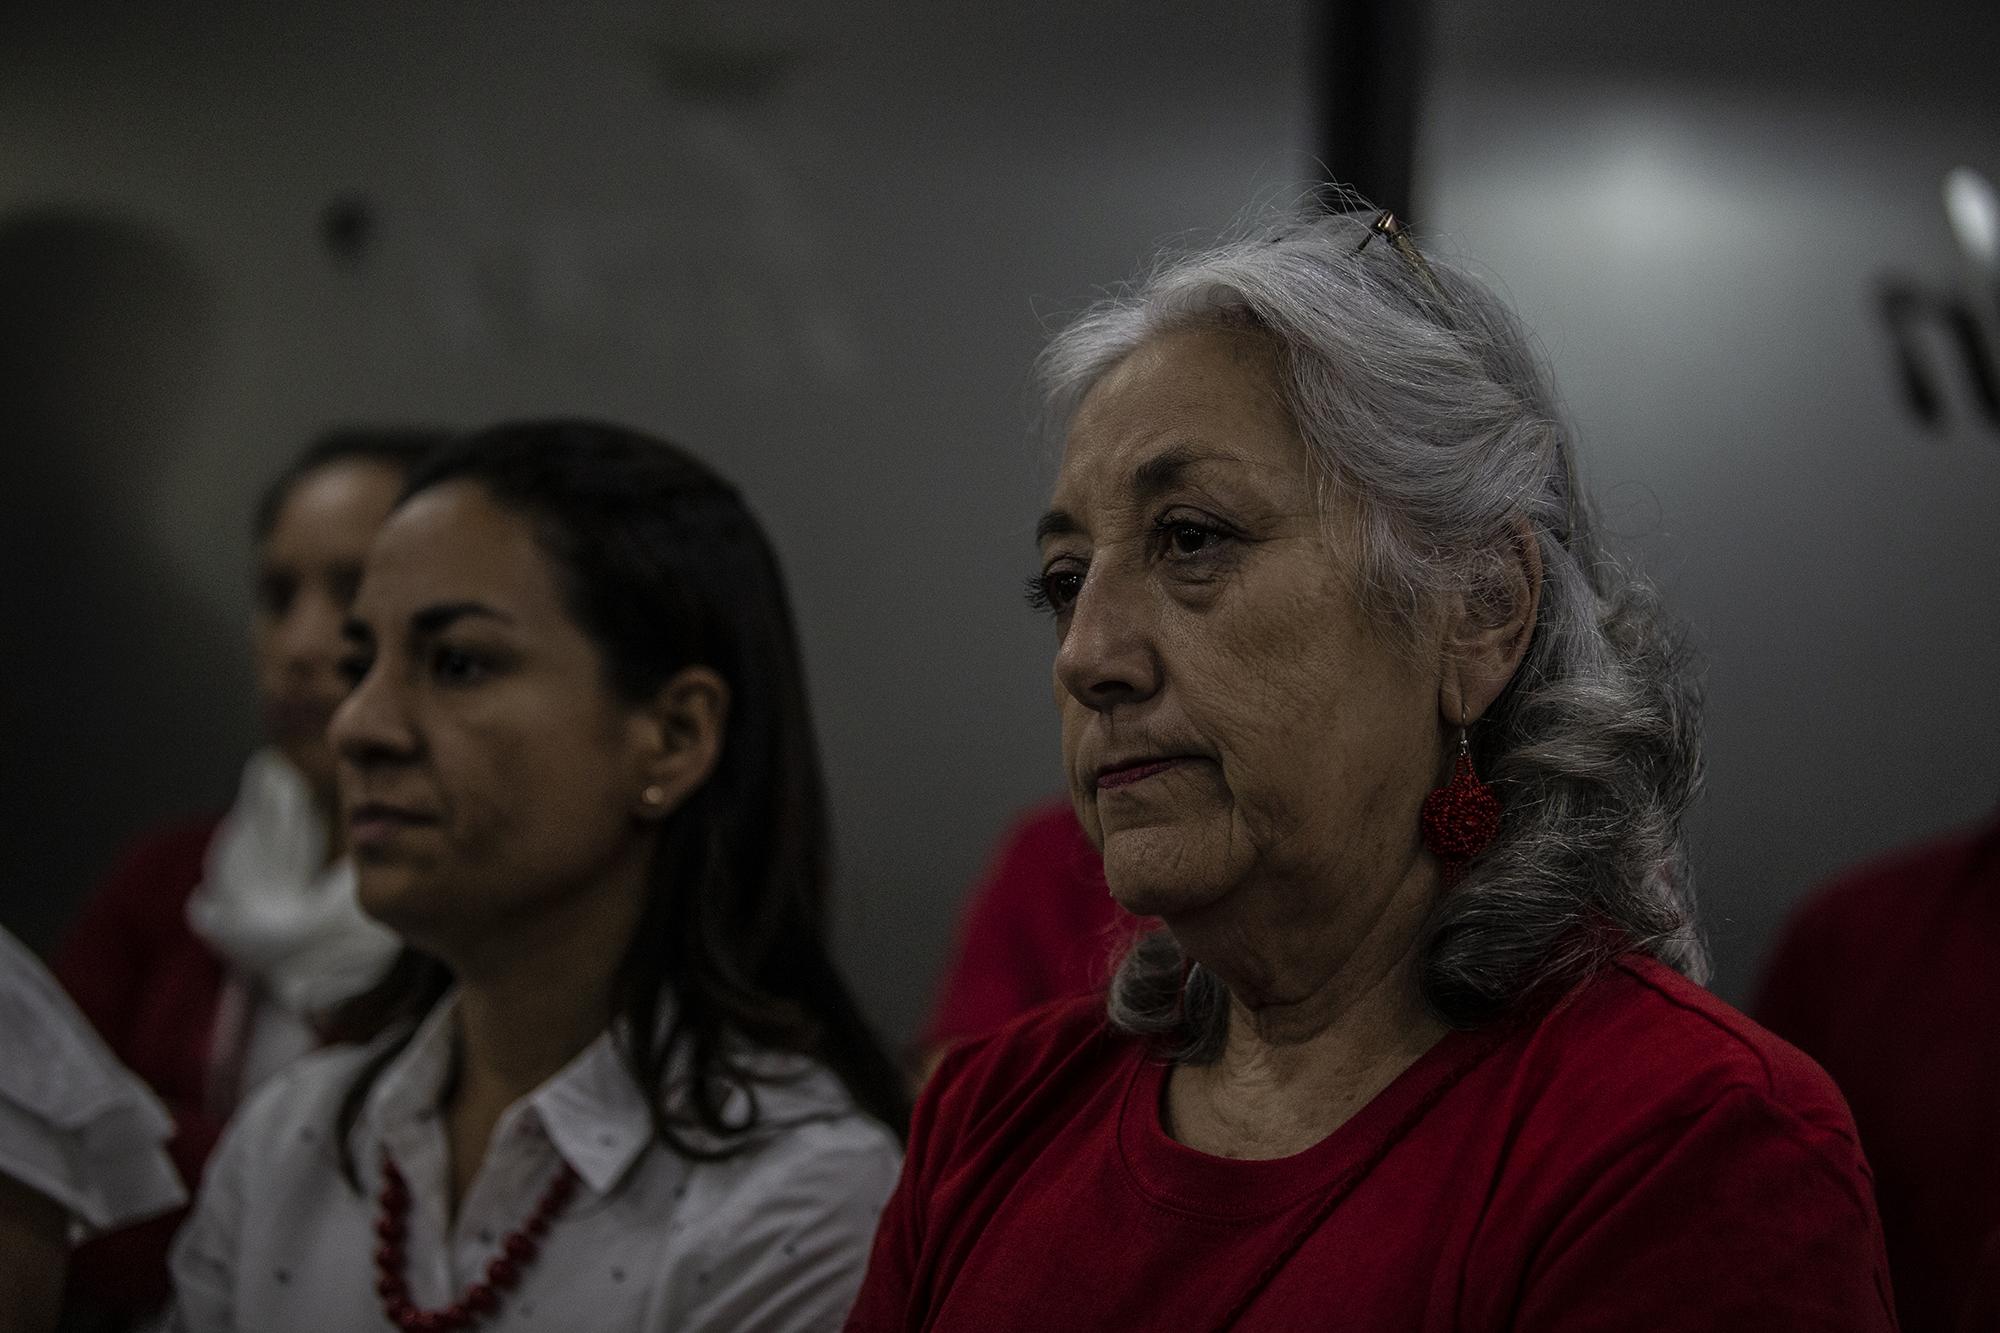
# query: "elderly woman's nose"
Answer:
x=1107 y=656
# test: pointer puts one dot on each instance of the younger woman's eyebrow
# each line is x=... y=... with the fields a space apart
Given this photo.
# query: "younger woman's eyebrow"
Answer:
x=429 y=621
x=436 y=619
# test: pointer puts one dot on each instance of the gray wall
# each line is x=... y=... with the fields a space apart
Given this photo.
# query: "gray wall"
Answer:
x=818 y=244
x=1694 y=205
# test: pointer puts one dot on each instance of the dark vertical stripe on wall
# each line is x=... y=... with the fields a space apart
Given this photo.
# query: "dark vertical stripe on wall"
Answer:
x=1371 y=65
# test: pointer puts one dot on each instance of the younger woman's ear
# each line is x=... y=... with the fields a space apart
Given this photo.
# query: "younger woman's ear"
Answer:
x=1489 y=636
x=684 y=726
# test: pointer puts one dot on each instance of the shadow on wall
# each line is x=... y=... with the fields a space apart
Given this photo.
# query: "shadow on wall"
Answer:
x=121 y=700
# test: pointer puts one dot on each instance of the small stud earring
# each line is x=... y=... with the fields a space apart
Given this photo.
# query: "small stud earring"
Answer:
x=654 y=795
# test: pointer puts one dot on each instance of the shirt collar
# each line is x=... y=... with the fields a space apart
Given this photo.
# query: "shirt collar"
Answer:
x=595 y=1114
x=591 y=1110
x=408 y=1087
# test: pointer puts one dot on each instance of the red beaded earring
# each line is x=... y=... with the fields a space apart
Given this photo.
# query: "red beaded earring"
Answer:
x=1461 y=818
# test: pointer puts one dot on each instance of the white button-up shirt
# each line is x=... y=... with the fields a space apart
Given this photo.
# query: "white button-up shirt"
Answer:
x=775 y=1238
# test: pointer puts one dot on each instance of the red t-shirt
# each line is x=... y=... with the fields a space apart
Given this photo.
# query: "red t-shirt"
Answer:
x=1642 y=1157
x=1890 y=978
x=1041 y=926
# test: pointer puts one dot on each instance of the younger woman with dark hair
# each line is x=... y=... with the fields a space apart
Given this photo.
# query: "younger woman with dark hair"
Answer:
x=619 y=1080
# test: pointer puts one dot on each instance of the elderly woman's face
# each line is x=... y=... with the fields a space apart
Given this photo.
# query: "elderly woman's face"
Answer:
x=1229 y=714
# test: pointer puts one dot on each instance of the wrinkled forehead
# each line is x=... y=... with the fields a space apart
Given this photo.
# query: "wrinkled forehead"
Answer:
x=1199 y=409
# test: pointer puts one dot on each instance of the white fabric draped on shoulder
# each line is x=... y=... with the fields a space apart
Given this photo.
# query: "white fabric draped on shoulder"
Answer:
x=75 y=1124
x=270 y=904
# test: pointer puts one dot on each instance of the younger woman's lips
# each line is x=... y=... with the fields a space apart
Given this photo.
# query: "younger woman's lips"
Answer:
x=1131 y=773
x=371 y=826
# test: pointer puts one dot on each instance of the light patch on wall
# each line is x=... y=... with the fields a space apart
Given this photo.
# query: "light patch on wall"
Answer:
x=1702 y=261
x=1974 y=209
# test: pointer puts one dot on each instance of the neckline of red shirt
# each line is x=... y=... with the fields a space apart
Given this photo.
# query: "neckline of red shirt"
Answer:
x=1198 y=1184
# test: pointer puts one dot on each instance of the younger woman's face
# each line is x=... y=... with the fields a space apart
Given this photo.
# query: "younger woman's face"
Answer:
x=487 y=772
x=308 y=567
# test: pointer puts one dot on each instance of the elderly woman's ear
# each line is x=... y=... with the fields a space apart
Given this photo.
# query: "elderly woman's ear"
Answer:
x=1491 y=629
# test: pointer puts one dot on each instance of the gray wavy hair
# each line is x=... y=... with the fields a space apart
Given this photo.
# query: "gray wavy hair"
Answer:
x=1422 y=403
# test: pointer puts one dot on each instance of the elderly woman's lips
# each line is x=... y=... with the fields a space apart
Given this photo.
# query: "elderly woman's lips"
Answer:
x=1126 y=775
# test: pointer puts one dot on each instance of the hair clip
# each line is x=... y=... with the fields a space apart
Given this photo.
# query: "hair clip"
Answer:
x=1388 y=226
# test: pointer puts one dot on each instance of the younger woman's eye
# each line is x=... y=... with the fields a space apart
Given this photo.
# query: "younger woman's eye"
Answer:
x=456 y=666
x=1053 y=590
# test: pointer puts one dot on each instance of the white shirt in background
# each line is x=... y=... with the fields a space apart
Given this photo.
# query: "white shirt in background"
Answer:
x=75 y=1125
x=287 y=924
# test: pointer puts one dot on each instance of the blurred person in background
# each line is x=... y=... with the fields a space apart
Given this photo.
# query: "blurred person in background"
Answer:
x=1355 y=702
x=213 y=953
x=1890 y=978
x=82 y=1141
x=1040 y=925
x=620 y=1083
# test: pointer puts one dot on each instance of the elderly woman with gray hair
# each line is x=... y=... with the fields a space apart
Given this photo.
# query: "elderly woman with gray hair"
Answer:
x=1355 y=703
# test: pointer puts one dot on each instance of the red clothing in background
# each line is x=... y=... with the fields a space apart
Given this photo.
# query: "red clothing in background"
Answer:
x=1643 y=1157
x=1040 y=926
x=151 y=988
x=1890 y=978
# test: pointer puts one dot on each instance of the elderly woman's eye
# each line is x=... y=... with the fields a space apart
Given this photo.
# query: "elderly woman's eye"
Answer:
x=1182 y=538
x=1053 y=590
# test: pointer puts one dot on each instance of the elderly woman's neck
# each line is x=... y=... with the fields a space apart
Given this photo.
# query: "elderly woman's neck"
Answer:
x=1312 y=1040
x=1272 y=1098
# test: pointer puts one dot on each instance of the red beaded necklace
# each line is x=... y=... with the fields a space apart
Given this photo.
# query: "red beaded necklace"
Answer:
x=481 y=1299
